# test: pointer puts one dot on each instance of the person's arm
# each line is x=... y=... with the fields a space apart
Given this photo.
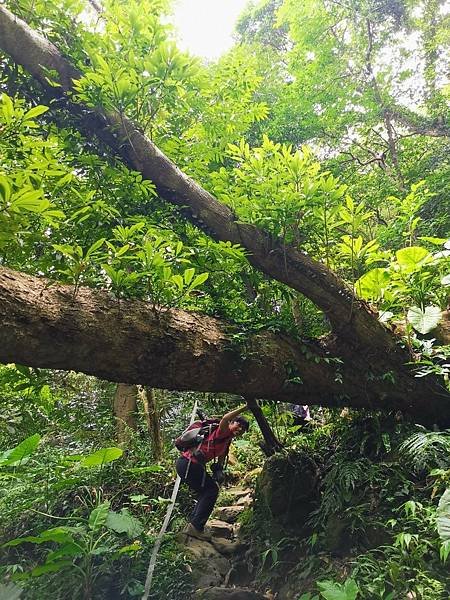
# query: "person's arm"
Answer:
x=226 y=419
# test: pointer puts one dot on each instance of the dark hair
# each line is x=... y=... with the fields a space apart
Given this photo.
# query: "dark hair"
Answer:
x=242 y=422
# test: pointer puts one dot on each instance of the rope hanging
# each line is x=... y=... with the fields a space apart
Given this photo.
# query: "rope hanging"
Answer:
x=152 y=563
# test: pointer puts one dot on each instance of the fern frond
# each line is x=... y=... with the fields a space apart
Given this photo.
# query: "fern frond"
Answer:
x=426 y=450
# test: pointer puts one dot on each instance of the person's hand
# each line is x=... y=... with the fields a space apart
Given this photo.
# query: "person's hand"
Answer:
x=217 y=473
x=218 y=476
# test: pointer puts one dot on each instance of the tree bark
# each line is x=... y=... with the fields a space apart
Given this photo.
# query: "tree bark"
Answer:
x=43 y=325
x=271 y=443
x=125 y=408
x=152 y=417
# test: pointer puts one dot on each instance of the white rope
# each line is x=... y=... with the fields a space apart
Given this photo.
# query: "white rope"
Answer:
x=151 y=566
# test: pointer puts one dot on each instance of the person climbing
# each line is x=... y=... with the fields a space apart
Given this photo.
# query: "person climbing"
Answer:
x=191 y=467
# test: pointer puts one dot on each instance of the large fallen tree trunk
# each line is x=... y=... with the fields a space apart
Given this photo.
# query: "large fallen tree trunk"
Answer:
x=357 y=329
x=373 y=370
x=42 y=324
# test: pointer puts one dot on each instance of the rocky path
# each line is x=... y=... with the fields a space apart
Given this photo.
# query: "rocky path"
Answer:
x=219 y=567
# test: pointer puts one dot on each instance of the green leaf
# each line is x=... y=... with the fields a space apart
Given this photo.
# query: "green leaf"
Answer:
x=32 y=539
x=97 y=518
x=24 y=449
x=178 y=281
x=30 y=200
x=95 y=246
x=124 y=522
x=443 y=516
x=424 y=321
x=68 y=549
x=8 y=107
x=412 y=258
x=35 y=112
x=148 y=469
x=49 y=215
x=101 y=457
x=100 y=62
x=331 y=590
x=444 y=551
x=65 y=249
x=199 y=280
x=188 y=275
x=130 y=549
x=138 y=498
x=60 y=535
x=5 y=189
x=373 y=283
x=51 y=567
x=433 y=240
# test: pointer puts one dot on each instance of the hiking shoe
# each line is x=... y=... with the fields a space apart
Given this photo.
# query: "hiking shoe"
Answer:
x=191 y=531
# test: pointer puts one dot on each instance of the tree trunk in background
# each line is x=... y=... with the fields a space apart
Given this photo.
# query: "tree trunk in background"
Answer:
x=125 y=409
x=152 y=416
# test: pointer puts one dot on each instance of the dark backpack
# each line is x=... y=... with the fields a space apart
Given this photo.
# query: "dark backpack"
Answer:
x=196 y=434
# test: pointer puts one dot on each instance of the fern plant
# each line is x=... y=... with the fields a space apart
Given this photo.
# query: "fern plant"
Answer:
x=426 y=450
x=340 y=482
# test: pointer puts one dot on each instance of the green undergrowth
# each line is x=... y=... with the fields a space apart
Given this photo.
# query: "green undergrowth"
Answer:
x=371 y=530
x=355 y=517
x=89 y=526
x=79 y=515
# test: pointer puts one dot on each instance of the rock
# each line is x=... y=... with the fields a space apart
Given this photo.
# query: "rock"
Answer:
x=200 y=550
x=238 y=492
x=442 y=331
x=241 y=574
x=229 y=514
x=253 y=474
x=226 y=547
x=237 y=531
x=220 y=593
x=286 y=592
x=220 y=529
x=288 y=487
x=244 y=501
x=205 y=575
x=209 y=567
x=337 y=534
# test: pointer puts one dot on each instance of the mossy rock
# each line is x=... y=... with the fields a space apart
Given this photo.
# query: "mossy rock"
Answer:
x=288 y=488
x=337 y=538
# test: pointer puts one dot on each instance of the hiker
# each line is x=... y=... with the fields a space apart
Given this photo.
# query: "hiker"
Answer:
x=191 y=467
x=301 y=414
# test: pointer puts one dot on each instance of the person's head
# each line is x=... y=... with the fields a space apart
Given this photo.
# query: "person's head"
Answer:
x=238 y=426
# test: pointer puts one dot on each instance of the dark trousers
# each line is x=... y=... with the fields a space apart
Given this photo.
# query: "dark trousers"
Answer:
x=207 y=490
